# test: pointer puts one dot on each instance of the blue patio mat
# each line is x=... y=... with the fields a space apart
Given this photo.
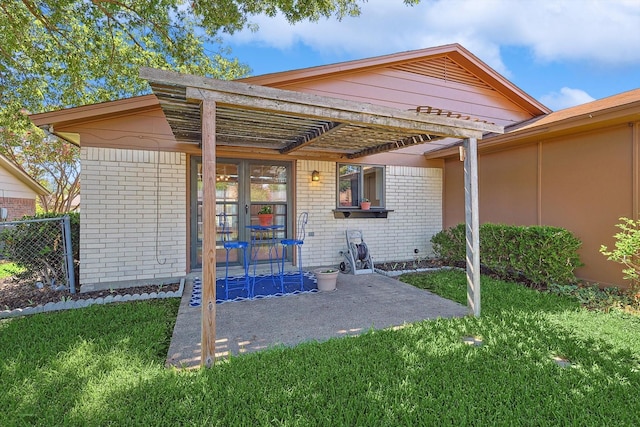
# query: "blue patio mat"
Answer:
x=266 y=286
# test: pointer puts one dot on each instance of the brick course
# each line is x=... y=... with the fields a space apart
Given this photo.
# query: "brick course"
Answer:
x=18 y=207
x=414 y=194
x=133 y=216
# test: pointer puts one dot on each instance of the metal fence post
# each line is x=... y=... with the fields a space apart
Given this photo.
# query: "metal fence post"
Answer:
x=71 y=272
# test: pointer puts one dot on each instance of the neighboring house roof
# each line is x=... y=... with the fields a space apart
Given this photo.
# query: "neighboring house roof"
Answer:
x=610 y=111
x=450 y=62
x=22 y=176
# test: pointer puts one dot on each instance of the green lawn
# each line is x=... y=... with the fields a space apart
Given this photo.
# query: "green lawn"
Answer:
x=103 y=365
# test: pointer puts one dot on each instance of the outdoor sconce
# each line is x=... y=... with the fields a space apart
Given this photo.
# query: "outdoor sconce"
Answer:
x=315 y=176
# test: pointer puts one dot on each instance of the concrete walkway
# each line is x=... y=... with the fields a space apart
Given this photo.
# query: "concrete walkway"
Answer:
x=360 y=303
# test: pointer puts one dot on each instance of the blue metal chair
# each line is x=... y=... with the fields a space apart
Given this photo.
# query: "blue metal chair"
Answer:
x=229 y=245
x=297 y=241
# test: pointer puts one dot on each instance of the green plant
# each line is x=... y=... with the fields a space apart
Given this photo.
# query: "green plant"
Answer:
x=37 y=247
x=539 y=255
x=449 y=244
x=8 y=269
x=593 y=297
x=627 y=248
x=266 y=209
x=365 y=200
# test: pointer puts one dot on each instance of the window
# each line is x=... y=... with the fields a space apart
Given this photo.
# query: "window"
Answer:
x=358 y=182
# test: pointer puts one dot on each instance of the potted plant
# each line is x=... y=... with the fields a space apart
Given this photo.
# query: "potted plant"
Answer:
x=265 y=215
x=326 y=278
x=365 y=204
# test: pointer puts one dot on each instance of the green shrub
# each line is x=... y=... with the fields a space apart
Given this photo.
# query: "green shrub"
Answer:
x=627 y=248
x=449 y=244
x=36 y=247
x=537 y=254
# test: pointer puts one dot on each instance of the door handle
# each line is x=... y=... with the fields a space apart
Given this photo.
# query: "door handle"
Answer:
x=246 y=209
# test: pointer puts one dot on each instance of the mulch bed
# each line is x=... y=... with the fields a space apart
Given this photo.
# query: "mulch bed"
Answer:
x=15 y=294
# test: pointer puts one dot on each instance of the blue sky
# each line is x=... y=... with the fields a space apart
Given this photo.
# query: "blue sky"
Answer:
x=561 y=52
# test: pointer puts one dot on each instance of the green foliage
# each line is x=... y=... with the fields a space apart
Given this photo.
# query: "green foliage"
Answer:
x=537 y=254
x=37 y=247
x=627 y=248
x=8 y=269
x=266 y=209
x=51 y=161
x=595 y=298
x=449 y=244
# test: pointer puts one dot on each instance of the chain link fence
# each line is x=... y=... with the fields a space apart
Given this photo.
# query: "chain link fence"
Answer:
x=42 y=251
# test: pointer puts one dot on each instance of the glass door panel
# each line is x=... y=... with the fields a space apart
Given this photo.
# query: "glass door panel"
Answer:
x=268 y=187
x=227 y=203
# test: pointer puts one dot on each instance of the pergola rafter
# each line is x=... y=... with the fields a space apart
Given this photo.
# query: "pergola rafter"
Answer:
x=311 y=137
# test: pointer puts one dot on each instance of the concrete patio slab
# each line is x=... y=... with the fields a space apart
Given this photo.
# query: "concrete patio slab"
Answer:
x=360 y=303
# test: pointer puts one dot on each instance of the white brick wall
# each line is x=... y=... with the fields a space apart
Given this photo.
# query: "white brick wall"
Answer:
x=133 y=216
x=414 y=194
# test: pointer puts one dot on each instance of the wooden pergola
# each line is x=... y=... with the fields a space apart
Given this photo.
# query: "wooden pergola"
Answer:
x=264 y=120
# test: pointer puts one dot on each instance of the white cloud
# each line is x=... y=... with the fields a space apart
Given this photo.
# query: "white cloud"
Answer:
x=605 y=32
x=567 y=97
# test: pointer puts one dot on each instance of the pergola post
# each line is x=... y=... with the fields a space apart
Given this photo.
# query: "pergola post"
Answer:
x=472 y=219
x=208 y=338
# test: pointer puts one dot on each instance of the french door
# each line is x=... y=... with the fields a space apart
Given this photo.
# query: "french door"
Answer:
x=243 y=187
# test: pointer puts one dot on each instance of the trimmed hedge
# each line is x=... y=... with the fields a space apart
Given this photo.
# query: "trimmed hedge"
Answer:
x=540 y=255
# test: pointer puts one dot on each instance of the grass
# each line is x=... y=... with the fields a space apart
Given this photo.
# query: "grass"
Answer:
x=103 y=365
x=8 y=269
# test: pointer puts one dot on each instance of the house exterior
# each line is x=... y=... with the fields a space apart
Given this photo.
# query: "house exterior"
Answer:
x=18 y=191
x=577 y=168
x=142 y=161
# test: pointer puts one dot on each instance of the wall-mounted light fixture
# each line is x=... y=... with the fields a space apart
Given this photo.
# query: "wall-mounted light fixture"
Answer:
x=315 y=176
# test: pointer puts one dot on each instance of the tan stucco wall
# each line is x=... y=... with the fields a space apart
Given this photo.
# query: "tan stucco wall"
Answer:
x=582 y=182
x=414 y=195
x=133 y=219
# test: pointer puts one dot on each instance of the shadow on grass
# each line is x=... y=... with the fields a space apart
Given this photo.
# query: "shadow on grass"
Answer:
x=53 y=361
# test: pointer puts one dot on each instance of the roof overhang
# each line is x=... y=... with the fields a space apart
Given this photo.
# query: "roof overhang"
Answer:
x=254 y=117
x=23 y=177
x=616 y=110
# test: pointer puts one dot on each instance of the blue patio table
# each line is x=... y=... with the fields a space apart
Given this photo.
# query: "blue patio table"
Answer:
x=265 y=236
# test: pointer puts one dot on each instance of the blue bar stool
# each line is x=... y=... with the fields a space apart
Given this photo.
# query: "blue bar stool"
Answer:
x=297 y=241
x=238 y=282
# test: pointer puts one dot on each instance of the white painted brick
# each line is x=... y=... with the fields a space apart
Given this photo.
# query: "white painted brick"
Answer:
x=413 y=193
x=119 y=191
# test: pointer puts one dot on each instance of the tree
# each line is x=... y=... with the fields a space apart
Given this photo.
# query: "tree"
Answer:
x=51 y=161
x=61 y=53
x=64 y=53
